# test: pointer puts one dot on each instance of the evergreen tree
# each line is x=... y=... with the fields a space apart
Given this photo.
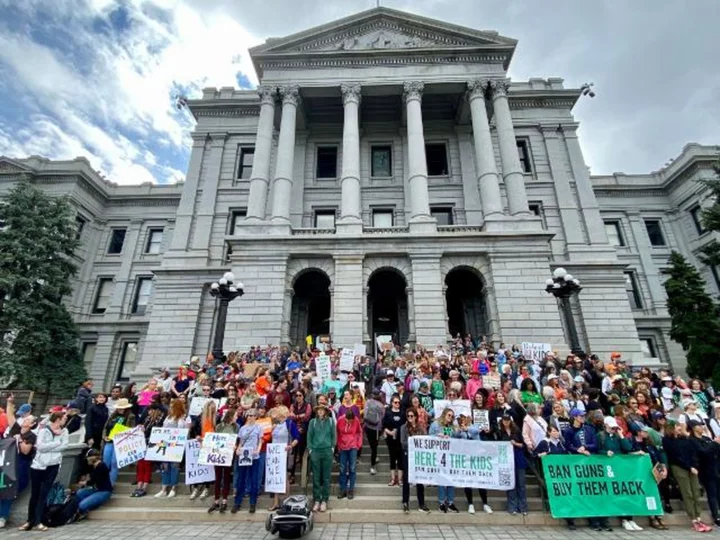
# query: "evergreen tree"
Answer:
x=695 y=319
x=710 y=253
x=38 y=338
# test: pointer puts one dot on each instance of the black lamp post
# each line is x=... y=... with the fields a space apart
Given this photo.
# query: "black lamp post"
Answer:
x=226 y=291
x=563 y=286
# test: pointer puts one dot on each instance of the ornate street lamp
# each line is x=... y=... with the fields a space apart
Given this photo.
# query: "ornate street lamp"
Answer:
x=226 y=290
x=563 y=286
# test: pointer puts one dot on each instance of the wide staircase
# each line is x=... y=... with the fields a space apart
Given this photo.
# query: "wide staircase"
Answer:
x=374 y=502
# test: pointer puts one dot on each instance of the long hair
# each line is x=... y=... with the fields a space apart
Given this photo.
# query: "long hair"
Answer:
x=209 y=413
x=417 y=429
x=441 y=420
x=177 y=410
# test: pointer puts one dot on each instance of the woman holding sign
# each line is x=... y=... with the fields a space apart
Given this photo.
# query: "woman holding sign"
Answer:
x=223 y=475
x=176 y=418
x=248 y=451
x=285 y=432
x=411 y=428
x=443 y=427
x=471 y=432
x=122 y=417
x=201 y=426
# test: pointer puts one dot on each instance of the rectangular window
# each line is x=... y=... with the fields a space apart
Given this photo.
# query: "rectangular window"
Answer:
x=117 y=239
x=381 y=161
x=716 y=276
x=537 y=210
x=648 y=348
x=326 y=162
x=103 y=295
x=696 y=213
x=236 y=218
x=142 y=295
x=88 y=352
x=444 y=215
x=154 y=242
x=382 y=218
x=79 y=226
x=614 y=233
x=324 y=219
x=128 y=358
x=245 y=162
x=436 y=158
x=655 y=232
x=523 y=147
x=633 y=291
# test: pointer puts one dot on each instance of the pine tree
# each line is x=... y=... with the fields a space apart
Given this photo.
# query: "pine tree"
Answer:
x=38 y=338
x=695 y=319
x=710 y=253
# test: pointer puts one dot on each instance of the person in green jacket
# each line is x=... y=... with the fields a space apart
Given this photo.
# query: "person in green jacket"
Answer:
x=321 y=439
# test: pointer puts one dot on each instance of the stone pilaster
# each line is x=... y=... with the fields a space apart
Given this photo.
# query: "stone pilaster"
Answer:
x=186 y=208
x=206 y=209
x=430 y=327
x=122 y=278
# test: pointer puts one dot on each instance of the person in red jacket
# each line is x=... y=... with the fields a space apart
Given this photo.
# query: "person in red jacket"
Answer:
x=349 y=441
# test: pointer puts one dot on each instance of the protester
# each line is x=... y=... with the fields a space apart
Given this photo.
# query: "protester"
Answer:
x=224 y=475
x=250 y=438
x=373 y=417
x=411 y=428
x=97 y=490
x=83 y=397
x=444 y=428
x=122 y=416
x=201 y=426
x=285 y=432
x=516 y=497
x=26 y=441
x=176 y=418
x=708 y=453
x=144 y=468
x=349 y=442
x=95 y=420
x=322 y=438
x=392 y=421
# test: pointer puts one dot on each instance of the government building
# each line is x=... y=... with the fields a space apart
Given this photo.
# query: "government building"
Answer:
x=385 y=178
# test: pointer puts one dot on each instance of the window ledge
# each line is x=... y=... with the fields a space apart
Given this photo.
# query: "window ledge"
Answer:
x=382 y=177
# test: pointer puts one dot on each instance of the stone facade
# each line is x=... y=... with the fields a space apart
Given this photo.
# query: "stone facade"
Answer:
x=386 y=177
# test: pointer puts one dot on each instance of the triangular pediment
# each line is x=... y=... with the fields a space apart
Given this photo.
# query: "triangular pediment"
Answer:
x=11 y=166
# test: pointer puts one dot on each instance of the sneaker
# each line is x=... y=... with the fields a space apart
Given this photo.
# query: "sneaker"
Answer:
x=223 y=508
x=635 y=526
x=707 y=528
x=323 y=506
x=235 y=508
x=443 y=508
x=204 y=494
x=252 y=509
x=452 y=508
x=471 y=509
x=627 y=526
x=373 y=472
x=194 y=493
x=171 y=494
x=698 y=526
x=160 y=494
x=134 y=493
x=406 y=509
x=487 y=509
x=3 y=523
x=424 y=509
x=342 y=495
x=351 y=495
x=717 y=521
x=316 y=507
x=141 y=493
x=215 y=506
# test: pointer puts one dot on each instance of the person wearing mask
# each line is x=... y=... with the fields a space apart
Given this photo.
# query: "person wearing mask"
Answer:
x=223 y=475
x=95 y=420
x=322 y=438
x=349 y=442
x=411 y=428
x=444 y=428
x=52 y=439
x=708 y=454
x=176 y=418
x=97 y=490
x=285 y=432
x=123 y=416
x=373 y=416
x=250 y=440
x=392 y=421
x=516 y=497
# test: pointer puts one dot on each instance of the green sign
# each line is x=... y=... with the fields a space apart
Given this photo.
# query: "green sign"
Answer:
x=601 y=486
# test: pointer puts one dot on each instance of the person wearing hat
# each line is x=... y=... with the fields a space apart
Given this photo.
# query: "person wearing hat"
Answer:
x=97 y=490
x=641 y=443
x=321 y=440
x=122 y=415
x=474 y=384
x=691 y=412
x=388 y=387
x=579 y=437
x=708 y=453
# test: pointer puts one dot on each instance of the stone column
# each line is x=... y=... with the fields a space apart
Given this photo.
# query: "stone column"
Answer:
x=412 y=338
x=186 y=208
x=351 y=218
x=205 y=211
x=260 y=176
x=287 y=316
x=417 y=166
x=484 y=156
x=512 y=172
x=282 y=185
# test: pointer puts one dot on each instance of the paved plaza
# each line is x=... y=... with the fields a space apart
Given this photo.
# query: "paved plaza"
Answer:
x=368 y=531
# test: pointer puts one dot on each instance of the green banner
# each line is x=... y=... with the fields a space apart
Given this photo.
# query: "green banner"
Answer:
x=601 y=486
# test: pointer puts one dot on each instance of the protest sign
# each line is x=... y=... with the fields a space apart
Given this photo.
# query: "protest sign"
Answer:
x=360 y=349
x=347 y=360
x=8 y=469
x=117 y=428
x=130 y=446
x=458 y=406
x=601 y=486
x=535 y=351
x=322 y=366
x=194 y=472
x=198 y=403
x=461 y=463
x=492 y=382
x=166 y=444
x=217 y=449
x=481 y=418
x=276 y=468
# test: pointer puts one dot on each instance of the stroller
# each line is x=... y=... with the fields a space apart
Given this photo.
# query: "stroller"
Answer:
x=293 y=519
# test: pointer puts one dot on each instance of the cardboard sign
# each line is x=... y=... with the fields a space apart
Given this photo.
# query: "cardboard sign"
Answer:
x=493 y=381
x=117 y=428
x=276 y=468
x=194 y=472
x=535 y=351
x=8 y=469
x=217 y=449
x=130 y=446
x=167 y=444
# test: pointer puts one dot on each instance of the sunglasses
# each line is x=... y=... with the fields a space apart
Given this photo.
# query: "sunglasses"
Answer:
x=396 y=403
x=411 y=416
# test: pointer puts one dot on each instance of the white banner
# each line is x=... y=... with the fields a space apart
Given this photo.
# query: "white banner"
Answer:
x=347 y=360
x=322 y=365
x=535 y=351
x=130 y=446
x=438 y=461
x=276 y=468
x=194 y=472
x=217 y=449
x=458 y=406
x=167 y=444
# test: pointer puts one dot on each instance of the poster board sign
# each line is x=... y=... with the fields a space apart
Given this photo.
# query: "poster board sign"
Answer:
x=601 y=486
x=322 y=365
x=535 y=351
x=276 y=468
x=217 y=449
x=458 y=406
x=347 y=360
x=8 y=469
x=198 y=403
x=250 y=369
x=461 y=463
x=117 y=429
x=194 y=472
x=481 y=419
x=166 y=444
x=360 y=349
x=130 y=446
x=493 y=381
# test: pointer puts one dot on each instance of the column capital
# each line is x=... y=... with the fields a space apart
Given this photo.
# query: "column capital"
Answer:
x=413 y=90
x=290 y=94
x=550 y=131
x=198 y=139
x=267 y=94
x=217 y=139
x=351 y=92
x=477 y=88
x=499 y=87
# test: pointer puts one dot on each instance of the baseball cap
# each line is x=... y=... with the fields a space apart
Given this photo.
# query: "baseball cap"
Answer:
x=636 y=427
x=576 y=412
x=687 y=402
x=389 y=372
x=579 y=378
x=694 y=423
x=24 y=409
x=611 y=422
x=657 y=415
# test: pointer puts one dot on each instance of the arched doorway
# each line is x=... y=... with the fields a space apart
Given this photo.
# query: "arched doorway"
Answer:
x=310 y=313
x=387 y=305
x=465 y=300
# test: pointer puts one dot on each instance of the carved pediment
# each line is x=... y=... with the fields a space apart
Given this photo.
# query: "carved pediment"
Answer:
x=10 y=166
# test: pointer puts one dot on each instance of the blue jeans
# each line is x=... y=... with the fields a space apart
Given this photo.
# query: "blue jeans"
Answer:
x=90 y=499
x=170 y=474
x=446 y=494
x=5 y=505
x=110 y=461
x=261 y=472
x=246 y=480
x=516 y=498
x=348 y=461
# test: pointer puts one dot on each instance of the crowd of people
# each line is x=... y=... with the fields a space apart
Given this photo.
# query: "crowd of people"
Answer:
x=541 y=403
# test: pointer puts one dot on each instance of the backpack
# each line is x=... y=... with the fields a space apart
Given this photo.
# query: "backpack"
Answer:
x=58 y=515
x=374 y=414
x=56 y=495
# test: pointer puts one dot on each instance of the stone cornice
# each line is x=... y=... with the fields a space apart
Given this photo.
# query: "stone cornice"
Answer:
x=628 y=191
x=225 y=109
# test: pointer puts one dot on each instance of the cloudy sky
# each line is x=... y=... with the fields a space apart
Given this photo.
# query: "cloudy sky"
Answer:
x=98 y=77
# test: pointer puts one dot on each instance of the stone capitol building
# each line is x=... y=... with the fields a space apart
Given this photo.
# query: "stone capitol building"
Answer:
x=386 y=177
